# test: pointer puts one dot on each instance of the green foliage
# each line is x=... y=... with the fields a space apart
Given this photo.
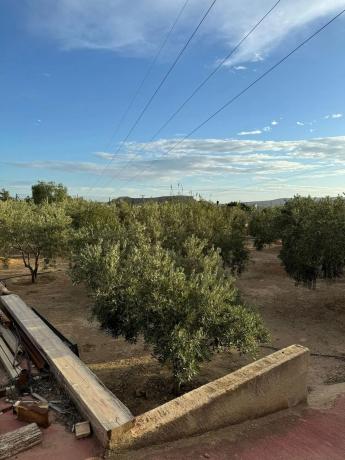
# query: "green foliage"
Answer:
x=240 y=205
x=32 y=231
x=157 y=270
x=4 y=195
x=181 y=302
x=169 y=223
x=265 y=226
x=48 y=192
x=313 y=239
x=172 y=223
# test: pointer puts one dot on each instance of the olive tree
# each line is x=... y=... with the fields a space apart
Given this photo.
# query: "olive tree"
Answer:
x=5 y=195
x=313 y=239
x=182 y=302
x=48 y=192
x=265 y=226
x=33 y=232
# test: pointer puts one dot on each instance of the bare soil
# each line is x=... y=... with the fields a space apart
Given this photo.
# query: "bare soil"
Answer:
x=313 y=318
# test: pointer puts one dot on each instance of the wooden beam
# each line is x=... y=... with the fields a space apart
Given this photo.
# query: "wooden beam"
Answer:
x=70 y=343
x=19 y=440
x=107 y=414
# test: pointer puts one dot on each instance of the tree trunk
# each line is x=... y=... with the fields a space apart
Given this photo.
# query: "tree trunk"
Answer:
x=176 y=382
x=34 y=271
x=33 y=276
x=27 y=264
x=36 y=266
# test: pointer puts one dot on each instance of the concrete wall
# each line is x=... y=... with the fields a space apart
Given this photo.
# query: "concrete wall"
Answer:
x=275 y=382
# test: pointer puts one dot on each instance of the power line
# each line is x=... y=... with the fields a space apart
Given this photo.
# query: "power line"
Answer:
x=171 y=68
x=148 y=72
x=238 y=95
x=209 y=76
x=222 y=62
x=140 y=86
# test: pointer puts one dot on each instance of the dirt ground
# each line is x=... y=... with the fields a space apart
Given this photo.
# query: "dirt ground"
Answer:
x=314 y=318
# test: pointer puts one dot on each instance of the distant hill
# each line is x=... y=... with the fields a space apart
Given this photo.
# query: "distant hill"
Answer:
x=162 y=199
x=268 y=203
x=156 y=199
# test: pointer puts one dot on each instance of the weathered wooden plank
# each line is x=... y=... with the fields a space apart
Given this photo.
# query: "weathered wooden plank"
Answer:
x=6 y=358
x=70 y=343
x=9 y=338
x=19 y=440
x=97 y=404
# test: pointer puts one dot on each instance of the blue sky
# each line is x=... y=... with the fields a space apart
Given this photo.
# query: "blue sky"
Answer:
x=68 y=69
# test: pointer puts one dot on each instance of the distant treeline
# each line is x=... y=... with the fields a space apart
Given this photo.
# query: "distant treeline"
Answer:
x=157 y=199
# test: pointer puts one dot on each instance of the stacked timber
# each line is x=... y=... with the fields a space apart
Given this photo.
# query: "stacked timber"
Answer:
x=108 y=416
x=12 y=343
x=8 y=360
x=8 y=352
x=8 y=336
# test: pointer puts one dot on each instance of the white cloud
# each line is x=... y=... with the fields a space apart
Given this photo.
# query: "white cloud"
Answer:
x=105 y=155
x=333 y=116
x=266 y=128
x=215 y=159
x=249 y=133
x=240 y=67
x=274 y=123
x=138 y=27
x=257 y=57
x=299 y=123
